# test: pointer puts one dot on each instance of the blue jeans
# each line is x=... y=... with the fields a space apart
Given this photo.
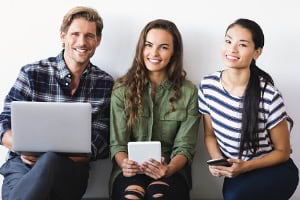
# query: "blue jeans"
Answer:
x=277 y=182
x=53 y=176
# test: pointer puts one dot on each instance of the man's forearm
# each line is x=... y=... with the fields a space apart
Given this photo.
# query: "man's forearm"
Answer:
x=7 y=139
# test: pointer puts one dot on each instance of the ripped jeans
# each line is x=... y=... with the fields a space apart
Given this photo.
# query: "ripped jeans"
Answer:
x=146 y=188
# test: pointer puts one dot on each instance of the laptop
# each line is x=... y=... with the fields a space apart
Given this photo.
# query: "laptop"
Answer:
x=143 y=151
x=40 y=127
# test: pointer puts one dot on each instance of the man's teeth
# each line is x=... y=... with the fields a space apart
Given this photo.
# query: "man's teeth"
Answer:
x=81 y=50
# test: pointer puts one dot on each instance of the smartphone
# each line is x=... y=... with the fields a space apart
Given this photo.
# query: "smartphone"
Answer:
x=219 y=162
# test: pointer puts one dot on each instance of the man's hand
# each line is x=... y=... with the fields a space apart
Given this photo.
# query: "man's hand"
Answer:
x=79 y=159
x=29 y=160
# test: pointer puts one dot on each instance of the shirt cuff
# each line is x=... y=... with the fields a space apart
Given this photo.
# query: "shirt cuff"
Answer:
x=185 y=153
x=115 y=149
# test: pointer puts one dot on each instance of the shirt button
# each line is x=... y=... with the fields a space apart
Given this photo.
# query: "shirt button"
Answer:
x=69 y=75
x=67 y=84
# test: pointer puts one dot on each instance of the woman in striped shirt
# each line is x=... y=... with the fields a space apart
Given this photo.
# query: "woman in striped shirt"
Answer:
x=245 y=121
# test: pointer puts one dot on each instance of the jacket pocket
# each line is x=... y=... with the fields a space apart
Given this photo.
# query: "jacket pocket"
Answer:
x=170 y=124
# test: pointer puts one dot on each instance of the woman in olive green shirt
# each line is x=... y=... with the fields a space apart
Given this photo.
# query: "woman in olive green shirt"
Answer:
x=154 y=101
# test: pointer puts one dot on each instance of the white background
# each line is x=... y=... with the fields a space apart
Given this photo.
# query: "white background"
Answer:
x=30 y=32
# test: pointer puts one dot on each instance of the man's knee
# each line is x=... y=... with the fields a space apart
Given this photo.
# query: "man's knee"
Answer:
x=134 y=192
x=49 y=157
x=13 y=171
x=50 y=160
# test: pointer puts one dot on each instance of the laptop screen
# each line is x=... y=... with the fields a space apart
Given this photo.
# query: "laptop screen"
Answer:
x=39 y=127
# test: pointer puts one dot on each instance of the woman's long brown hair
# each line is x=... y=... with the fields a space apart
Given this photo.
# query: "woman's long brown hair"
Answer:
x=137 y=76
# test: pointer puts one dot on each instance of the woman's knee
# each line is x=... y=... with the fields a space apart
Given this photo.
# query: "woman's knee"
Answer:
x=134 y=192
x=158 y=190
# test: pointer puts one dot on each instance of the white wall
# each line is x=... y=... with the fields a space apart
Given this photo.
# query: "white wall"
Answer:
x=30 y=31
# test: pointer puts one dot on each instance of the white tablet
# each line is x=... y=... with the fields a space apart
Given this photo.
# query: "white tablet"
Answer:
x=143 y=151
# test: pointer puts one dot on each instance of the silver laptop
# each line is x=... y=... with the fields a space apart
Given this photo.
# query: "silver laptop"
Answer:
x=40 y=127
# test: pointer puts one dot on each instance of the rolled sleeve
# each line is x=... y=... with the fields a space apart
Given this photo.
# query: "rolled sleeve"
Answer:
x=5 y=120
x=186 y=138
x=118 y=128
x=100 y=135
x=19 y=92
x=100 y=125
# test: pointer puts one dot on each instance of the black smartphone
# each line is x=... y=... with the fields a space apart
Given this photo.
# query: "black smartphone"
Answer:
x=219 y=162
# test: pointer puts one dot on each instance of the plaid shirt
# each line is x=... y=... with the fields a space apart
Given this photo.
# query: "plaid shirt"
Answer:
x=49 y=80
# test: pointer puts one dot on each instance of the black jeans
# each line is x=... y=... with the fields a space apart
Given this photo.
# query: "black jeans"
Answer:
x=177 y=188
x=53 y=176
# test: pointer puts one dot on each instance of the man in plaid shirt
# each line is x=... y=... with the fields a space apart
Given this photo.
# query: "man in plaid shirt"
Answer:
x=68 y=77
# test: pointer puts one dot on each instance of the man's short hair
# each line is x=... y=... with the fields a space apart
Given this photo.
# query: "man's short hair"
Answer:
x=89 y=14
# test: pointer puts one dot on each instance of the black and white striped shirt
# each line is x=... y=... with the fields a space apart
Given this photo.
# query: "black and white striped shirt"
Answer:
x=225 y=111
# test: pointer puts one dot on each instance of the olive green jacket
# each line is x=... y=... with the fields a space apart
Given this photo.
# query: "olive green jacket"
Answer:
x=177 y=131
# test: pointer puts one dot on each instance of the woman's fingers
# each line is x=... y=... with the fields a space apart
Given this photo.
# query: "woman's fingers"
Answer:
x=129 y=168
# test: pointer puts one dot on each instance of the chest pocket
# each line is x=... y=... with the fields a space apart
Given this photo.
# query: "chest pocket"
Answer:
x=170 y=124
x=140 y=128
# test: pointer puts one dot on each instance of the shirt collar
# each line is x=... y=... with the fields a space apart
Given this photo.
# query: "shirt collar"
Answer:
x=166 y=84
x=63 y=70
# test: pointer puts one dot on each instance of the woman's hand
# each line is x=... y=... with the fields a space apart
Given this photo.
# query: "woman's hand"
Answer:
x=155 y=169
x=238 y=167
x=129 y=167
x=213 y=171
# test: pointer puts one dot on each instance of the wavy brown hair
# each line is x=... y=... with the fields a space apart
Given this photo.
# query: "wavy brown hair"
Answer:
x=137 y=76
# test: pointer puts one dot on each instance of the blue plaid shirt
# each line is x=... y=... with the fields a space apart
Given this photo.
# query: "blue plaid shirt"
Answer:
x=49 y=80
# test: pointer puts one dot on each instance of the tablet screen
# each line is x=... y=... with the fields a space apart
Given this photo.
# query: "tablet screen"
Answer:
x=143 y=151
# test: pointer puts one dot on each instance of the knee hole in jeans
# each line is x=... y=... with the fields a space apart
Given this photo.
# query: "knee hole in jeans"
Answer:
x=134 y=192
x=158 y=189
